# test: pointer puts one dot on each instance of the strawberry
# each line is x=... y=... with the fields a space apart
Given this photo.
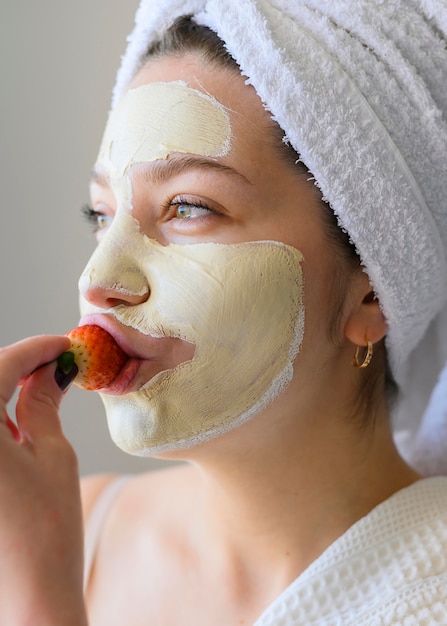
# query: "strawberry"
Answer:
x=97 y=355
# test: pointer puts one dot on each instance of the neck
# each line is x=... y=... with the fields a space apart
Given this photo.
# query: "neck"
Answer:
x=276 y=500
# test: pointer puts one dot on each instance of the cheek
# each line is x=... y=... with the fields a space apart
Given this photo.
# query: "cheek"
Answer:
x=241 y=306
x=328 y=283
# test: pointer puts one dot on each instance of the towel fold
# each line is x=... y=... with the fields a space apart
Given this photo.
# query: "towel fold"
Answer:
x=360 y=89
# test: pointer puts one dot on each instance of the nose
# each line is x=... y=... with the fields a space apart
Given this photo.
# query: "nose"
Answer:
x=112 y=277
x=106 y=296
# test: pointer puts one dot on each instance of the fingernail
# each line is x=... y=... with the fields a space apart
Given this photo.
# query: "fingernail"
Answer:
x=63 y=378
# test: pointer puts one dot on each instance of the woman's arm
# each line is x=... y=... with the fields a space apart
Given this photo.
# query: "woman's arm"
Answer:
x=40 y=509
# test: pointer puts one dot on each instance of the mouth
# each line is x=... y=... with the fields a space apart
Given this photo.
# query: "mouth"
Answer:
x=135 y=374
x=144 y=362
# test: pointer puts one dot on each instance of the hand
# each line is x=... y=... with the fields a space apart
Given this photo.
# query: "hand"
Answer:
x=40 y=509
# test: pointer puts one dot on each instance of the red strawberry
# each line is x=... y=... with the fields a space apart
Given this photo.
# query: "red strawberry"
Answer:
x=97 y=355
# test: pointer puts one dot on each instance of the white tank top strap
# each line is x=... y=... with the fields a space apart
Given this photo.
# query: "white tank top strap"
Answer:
x=96 y=520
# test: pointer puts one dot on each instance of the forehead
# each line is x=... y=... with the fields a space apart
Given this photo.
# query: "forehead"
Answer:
x=154 y=120
x=251 y=124
x=232 y=108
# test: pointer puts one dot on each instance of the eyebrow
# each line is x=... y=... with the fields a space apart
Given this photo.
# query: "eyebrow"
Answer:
x=99 y=179
x=162 y=170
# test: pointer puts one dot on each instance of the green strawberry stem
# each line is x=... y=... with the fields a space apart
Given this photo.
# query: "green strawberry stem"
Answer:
x=65 y=361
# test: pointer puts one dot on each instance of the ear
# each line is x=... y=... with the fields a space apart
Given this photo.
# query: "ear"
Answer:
x=366 y=321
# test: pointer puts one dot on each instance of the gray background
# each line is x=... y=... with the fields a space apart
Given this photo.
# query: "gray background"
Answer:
x=58 y=65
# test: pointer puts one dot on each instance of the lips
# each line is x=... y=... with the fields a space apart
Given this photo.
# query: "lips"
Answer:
x=126 y=381
x=141 y=366
x=112 y=327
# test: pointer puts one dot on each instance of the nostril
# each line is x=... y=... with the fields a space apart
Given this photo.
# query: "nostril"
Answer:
x=113 y=294
x=122 y=296
x=112 y=302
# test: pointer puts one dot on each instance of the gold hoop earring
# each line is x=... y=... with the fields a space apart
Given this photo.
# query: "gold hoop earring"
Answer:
x=367 y=358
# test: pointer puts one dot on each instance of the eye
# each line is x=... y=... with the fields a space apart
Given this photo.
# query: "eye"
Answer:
x=186 y=210
x=99 y=220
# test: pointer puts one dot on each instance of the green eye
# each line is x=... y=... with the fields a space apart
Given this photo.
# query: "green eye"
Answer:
x=102 y=221
x=183 y=211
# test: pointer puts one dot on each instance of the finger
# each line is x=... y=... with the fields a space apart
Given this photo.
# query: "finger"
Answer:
x=37 y=409
x=13 y=429
x=19 y=359
x=8 y=427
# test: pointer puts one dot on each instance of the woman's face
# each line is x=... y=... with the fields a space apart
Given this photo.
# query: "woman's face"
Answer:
x=205 y=234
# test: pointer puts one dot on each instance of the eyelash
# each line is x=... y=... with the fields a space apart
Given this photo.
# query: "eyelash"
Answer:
x=187 y=203
x=93 y=216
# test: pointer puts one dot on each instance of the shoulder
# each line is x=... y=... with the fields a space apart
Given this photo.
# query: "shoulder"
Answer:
x=146 y=490
x=91 y=488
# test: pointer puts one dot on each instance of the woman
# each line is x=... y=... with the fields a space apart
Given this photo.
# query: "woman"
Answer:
x=268 y=347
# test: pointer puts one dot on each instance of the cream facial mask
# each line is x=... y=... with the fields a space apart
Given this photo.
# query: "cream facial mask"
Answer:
x=157 y=119
x=240 y=305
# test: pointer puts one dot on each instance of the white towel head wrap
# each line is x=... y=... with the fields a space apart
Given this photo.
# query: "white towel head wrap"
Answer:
x=359 y=88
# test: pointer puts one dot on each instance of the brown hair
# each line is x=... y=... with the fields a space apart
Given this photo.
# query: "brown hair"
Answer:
x=186 y=37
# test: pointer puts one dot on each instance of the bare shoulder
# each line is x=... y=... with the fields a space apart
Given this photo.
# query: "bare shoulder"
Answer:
x=147 y=490
x=91 y=488
x=145 y=534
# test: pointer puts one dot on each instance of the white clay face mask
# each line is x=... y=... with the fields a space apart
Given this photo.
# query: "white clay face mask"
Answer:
x=157 y=119
x=239 y=304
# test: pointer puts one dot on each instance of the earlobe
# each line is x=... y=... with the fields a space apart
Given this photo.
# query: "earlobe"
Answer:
x=366 y=322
